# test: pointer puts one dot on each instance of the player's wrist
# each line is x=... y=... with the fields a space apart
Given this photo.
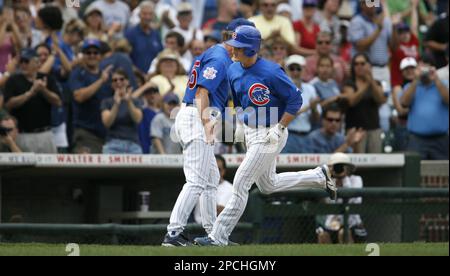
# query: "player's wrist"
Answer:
x=281 y=126
x=205 y=122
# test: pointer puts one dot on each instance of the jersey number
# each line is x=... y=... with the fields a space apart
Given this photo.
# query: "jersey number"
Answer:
x=194 y=75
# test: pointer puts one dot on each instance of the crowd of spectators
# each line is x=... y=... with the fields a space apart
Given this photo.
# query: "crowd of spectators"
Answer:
x=104 y=77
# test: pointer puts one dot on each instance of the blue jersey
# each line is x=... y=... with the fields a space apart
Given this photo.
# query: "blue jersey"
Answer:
x=263 y=90
x=210 y=71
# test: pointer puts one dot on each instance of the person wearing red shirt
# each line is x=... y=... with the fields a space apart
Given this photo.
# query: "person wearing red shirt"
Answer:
x=407 y=46
x=307 y=29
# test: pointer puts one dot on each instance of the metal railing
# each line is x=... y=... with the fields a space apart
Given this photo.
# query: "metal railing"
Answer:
x=392 y=214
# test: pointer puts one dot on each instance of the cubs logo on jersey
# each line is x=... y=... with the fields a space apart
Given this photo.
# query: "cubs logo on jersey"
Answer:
x=259 y=94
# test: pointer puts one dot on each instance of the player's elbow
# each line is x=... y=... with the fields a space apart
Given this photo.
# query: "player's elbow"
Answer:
x=294 y=107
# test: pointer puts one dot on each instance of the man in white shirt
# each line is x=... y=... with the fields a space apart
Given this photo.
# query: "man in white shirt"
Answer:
x=166 y=15
x=310 y=112
x=224 y=190
x=185 y=26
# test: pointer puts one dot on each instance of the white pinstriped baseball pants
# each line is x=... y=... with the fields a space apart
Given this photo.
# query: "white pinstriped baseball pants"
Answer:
x=259 y=166
x=201 y=172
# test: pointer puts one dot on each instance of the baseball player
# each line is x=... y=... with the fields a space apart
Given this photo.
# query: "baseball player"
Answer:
x=207 y=88
x=269 y=101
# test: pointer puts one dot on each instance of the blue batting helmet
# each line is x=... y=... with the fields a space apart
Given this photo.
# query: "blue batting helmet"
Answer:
x=246 y=37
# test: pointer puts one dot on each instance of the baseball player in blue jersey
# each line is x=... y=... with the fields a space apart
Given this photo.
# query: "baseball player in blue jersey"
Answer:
x=269 y=101
x=207 y=89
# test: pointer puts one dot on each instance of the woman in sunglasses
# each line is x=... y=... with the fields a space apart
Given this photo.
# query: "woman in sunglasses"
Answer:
x=121 y=115
x=365 y=96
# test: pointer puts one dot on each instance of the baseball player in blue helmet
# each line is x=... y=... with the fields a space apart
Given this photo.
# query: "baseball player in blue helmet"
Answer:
x=267 y=101
x=205 y=97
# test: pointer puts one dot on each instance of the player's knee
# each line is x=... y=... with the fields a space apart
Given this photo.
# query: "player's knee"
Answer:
x=215 y=180
x=240 y=194
x=242 y=182
x=196 y=185
x=266 y=190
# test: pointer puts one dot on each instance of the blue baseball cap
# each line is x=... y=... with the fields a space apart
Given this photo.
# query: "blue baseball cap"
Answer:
x=28 y=54
x=246 y=37
x=403 y=27
x=309 y=3
x=231 y=27
x=91 y=43
x=171 y=98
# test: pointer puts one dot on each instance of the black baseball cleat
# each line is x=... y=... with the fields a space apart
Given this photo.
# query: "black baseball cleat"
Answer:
x=330 y=184
x=176 y=241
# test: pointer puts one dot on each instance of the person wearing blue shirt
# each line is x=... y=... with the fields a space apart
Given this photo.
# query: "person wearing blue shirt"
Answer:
x=72 y=35
x=427 y=98
x=205 y=99
x=309 y=115
x=89 y=87
x=152 y=97
x=118 y=60
x=328 y=139
x=370 y=32
x=267 y=102
x=145 y=40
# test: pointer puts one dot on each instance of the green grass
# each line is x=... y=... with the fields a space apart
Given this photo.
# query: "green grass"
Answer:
x=406 y=249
